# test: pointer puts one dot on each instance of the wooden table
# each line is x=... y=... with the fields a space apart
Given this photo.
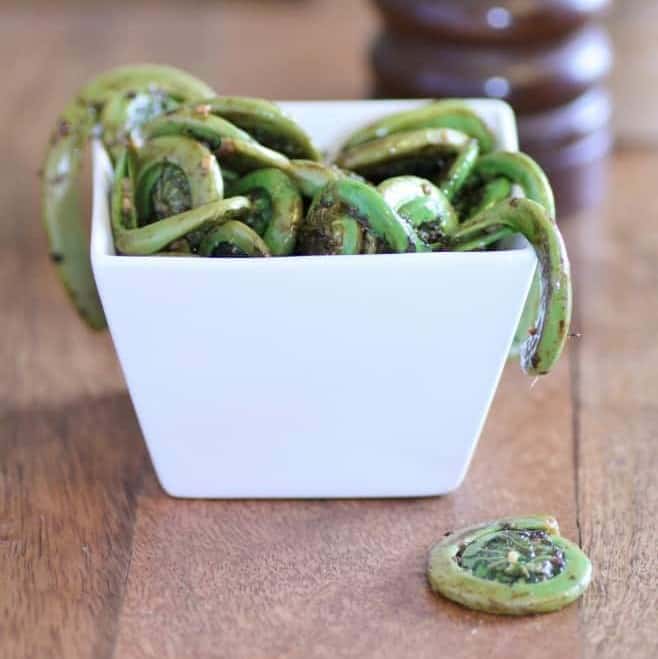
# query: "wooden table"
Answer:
x=95 y=561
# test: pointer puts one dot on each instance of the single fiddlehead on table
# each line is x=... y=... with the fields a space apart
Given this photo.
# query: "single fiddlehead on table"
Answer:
x=514 y=566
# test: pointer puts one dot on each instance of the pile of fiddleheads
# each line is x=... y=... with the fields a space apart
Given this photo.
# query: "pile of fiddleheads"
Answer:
x=201 y=175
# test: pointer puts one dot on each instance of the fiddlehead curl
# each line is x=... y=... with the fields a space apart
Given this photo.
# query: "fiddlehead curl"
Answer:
x=62 y=219
x=344 y=211
x=277 y=209
x=545 y=342
x=151 y=210
x=421 y=204
x=448 y=113
x=514 y=566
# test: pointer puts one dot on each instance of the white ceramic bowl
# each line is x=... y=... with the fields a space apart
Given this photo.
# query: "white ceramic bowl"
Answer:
x=339 y=376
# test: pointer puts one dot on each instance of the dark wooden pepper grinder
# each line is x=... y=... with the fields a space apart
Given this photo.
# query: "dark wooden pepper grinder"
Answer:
x=548 y=58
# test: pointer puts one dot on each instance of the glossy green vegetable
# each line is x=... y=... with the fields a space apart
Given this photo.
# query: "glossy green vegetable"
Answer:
x=194 y=122
x=150 y=233
x=543 y=345
x=481 y=242
x=402 y=151
x=460 y=170
x=310 y=177
x=492 y=192
x=521 y=169
x=277 y=209
x=267 y=123
x=422 y=205
x=448 y=113
x=175 y=174
x=233 y=239
x=243 y=156
x=514 y=566
x=345 y=205
x=524 y=171
x=127 y=96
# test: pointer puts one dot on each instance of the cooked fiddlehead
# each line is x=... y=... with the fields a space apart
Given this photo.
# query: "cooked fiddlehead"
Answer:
x=546 y=339
x=133 y=94
x=310 y=176
x=267 y=124
x=422 y=205
x=277 y=209
x=452 y=114
x=427 y=153
x=196 y=122
x=166 y=214
x=233 y=239
x=175 y=174
x=244 y=156
x=514 y=566
x=341 y=215
x=520 y=169
x=452 y=182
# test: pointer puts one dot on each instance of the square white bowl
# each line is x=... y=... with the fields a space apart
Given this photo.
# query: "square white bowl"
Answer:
x=315 y=376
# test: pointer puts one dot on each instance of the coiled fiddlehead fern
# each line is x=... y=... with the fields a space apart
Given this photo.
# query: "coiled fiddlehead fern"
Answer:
x=421 y=204
x=277 y=209
x=514 y=566
x=348 y=215
x=451 y=114
x=544 y=344
x=162 y=197
x=122 y=98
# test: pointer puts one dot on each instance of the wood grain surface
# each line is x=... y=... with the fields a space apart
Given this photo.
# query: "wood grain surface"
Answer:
x=95 y=561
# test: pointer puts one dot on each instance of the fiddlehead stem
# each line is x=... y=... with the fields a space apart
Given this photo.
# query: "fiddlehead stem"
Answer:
x=460 y=170
x=438 y=114
x=491 y=193
x=547 y=337
x=277 y=209
x=194 y=121
x=481 y=242
x=426 y=153
x=244 y=156
x=267 y=124
x=310 y=177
